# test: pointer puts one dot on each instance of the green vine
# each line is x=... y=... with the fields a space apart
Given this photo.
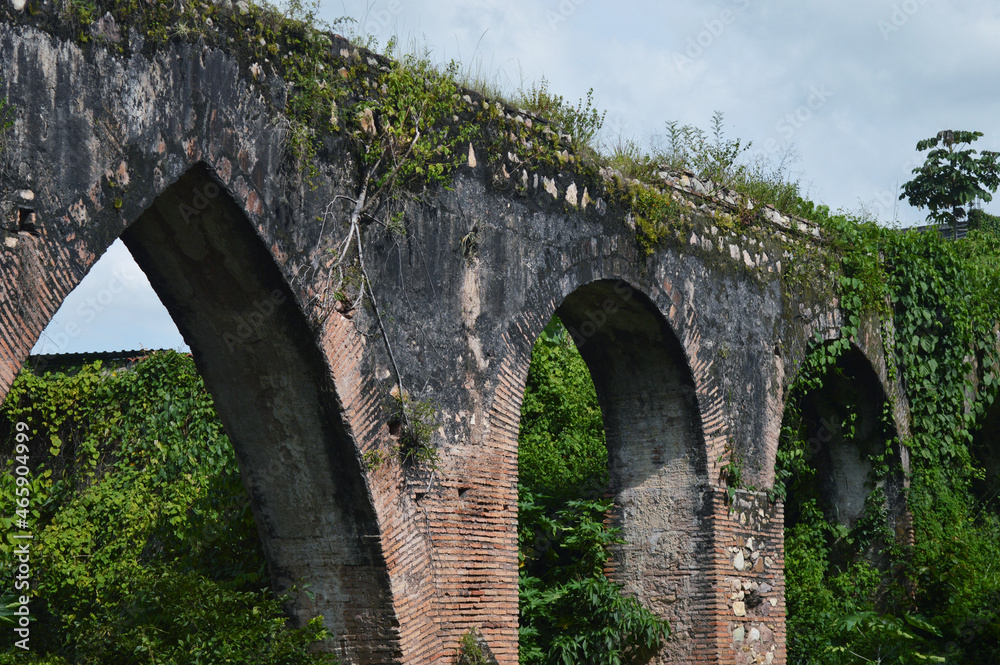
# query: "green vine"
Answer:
x=416 y=422
x=470 y=650
x=144 y=546
x=938 y=304
x=731 y=472
x=6 y=123
x=654 y=212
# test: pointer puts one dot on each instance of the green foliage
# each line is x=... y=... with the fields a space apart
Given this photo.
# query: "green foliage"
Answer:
x=710 y=157
x=952 y=178
x=397 y=113
x=299 y=38
x=159 y=21
x=713 y=157
x=411 y=139
x=410 y=136
x=937 y=598
x=6 y=122
x=630 y=159
x=81 y=13
x=561 y=448
x=581 y=123
x=731 y=472
x=417 y=421
x=6 y=117
x=980 y=220
x=145 y=549
x=570 y=611
x=652 y=211
x=906 y=640
x=469 y=650
x=291 y=43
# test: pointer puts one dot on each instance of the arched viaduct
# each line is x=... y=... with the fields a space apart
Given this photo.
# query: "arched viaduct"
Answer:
x=691 y=348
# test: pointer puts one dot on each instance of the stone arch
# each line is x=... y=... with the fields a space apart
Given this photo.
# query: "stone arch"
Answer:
x=851 y=416
x=656 y=451
x=274 y=391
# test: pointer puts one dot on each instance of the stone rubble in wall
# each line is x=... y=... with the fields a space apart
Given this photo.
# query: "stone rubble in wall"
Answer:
x=529 y=183
x=687 y=182
x=750 y=596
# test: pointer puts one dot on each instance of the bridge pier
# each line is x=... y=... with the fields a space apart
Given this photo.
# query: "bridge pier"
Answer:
x=746 y=615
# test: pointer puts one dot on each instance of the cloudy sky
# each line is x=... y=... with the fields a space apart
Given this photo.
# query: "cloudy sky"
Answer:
x=851 y=86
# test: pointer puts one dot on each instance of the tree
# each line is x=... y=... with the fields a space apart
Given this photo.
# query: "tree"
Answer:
x=951 y=178
x=144 y=547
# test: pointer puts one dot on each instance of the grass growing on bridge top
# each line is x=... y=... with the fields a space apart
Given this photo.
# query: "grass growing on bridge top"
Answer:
x=414 y=120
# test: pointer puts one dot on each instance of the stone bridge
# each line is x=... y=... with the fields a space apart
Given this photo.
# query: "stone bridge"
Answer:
x=178 y=151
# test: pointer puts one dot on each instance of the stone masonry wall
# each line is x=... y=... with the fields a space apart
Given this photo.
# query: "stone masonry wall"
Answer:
x=750 y=590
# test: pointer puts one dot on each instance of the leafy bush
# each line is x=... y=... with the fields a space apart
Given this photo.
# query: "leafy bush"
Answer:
x=582 y=122
x=145 y=549
x=561 y=449
x=711 y=156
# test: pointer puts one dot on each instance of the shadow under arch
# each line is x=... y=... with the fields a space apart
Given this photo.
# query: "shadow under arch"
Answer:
x=845 y=422
x=656 y=451
x=985 y=450
x=274 y=392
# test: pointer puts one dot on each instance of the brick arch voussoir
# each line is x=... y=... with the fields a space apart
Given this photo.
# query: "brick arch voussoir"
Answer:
x=671 y=306
x=46 y=267
x=667 y=309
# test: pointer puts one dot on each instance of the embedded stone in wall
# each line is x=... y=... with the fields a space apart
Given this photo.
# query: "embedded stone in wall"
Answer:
x=752 y=532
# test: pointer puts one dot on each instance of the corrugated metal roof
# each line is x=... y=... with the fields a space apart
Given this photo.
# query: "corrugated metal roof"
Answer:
x=944 y=229
x=56 y=362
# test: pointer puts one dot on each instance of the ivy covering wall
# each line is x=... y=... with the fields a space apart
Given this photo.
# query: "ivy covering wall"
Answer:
x=144 y=548
x=860 y=592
